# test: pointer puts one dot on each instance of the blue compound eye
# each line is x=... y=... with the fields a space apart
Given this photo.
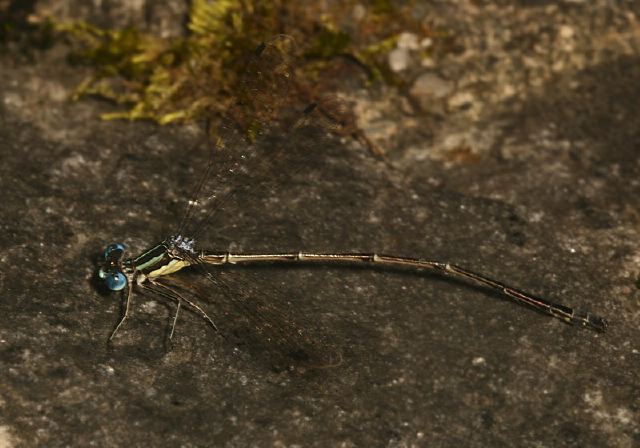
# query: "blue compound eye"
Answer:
x=115 y=281
x=113 y=249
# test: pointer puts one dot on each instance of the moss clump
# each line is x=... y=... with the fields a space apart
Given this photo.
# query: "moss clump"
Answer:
x=183 y=79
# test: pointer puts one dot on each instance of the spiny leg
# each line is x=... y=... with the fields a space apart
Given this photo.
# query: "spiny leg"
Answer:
x=152 y=288
x=126 y=306
x=172 y=293
x=175 y=320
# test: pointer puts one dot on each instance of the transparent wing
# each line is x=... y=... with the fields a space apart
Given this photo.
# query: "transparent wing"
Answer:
x=245 y=146
x=259 y=110
x=246 y=157
x=265 y=321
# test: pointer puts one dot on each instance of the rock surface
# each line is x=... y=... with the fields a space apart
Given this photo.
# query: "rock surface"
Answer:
x=530 y=175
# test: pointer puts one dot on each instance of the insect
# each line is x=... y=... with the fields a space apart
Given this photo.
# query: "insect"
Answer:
x=267 y=78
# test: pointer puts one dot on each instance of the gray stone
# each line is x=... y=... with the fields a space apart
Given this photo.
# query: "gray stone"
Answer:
x=431 y=85
x=547 y=201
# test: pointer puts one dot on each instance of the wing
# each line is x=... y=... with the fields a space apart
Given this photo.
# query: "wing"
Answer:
x=245 y=152
x=262 y=92
x=263 y=320
x=245 y=157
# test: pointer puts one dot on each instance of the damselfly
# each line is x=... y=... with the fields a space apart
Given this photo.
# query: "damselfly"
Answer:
x=265 y=83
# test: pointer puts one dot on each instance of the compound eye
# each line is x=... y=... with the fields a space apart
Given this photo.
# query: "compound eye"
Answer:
x=115 y=281
x=114 y=250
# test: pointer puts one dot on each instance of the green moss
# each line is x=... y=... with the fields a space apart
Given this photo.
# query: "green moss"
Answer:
x=169 y=80
x=182 y=79
x=329 y=43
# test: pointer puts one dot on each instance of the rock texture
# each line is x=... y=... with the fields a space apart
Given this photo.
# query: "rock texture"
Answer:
x=527 y=170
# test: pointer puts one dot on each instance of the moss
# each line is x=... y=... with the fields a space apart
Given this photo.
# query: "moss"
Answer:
x=329 y=43
x=183 y=79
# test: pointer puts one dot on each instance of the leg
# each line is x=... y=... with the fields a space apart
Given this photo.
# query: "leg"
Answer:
x=175 y=319
x=167 y=291
x=130 y=282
